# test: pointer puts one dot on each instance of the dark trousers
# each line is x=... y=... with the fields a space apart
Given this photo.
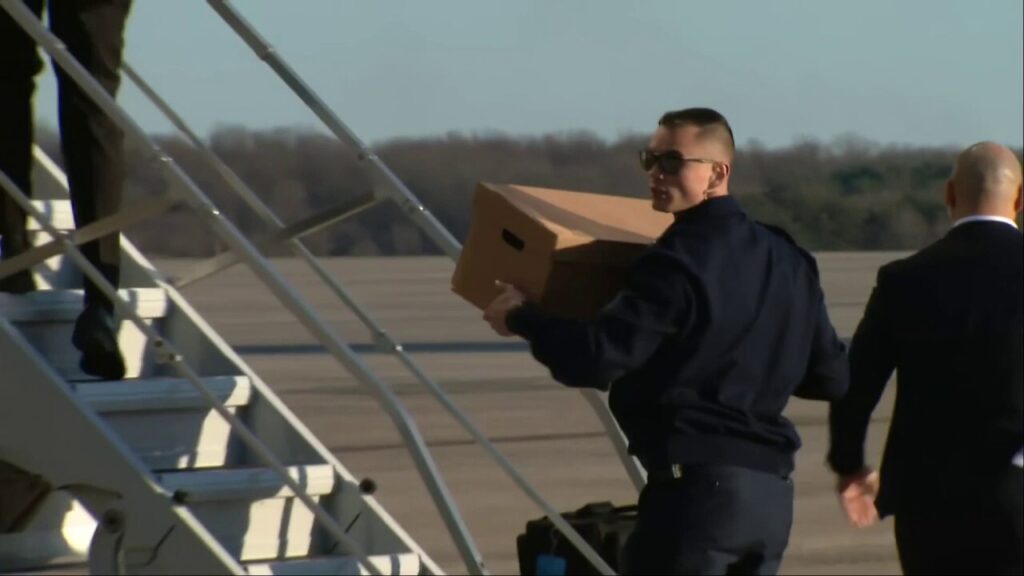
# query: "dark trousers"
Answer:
x=712 y=520
x=979 y=531
x=93 y=31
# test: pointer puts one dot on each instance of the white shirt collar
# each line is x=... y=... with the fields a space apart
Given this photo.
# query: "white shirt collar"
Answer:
x=983 y=218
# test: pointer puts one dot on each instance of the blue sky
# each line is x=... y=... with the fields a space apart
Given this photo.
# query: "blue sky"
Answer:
x=908 y=72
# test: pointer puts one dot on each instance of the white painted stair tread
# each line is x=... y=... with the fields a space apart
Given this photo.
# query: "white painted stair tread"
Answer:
x=246 y=483
x=66 y=305
x=167 y=423
x=162 y=393
x=405 y=563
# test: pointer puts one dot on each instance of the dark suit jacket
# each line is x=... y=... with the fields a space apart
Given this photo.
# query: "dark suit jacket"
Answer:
x=949 y=321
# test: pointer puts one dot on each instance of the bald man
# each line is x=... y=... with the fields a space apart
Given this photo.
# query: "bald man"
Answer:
x=948 y=320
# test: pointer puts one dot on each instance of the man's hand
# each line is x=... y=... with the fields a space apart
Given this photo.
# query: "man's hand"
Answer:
x=509 y=299
x=857 y=497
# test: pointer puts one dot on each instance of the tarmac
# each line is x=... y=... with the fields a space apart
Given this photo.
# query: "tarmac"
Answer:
x=548 y=431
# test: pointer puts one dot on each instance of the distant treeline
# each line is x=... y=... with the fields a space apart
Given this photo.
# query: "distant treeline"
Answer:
x=845 y=195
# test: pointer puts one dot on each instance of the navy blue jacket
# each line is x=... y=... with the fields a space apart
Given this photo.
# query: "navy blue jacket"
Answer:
x=722 y=320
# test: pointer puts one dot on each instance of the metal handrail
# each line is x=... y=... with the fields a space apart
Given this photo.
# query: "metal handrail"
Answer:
x=167 y=353
x=391 y=186
x=637 y=475
x=379 y=172
x=446 y=506
x=55 y=172
x=380 y=335
x=397 y=192
x=234 y=239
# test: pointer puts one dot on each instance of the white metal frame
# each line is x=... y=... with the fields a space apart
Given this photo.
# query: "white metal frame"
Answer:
x=386 y=187
x=390 y=186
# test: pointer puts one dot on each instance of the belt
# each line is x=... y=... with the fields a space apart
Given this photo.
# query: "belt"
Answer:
x=668 y=474
x=673 y=472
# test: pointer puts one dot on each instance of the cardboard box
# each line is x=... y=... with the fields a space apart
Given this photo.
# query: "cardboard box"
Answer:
x=568 y=251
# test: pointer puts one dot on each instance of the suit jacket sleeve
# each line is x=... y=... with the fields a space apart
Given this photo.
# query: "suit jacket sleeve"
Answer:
x=656 y=303
x=872 y=361
x=828 y=372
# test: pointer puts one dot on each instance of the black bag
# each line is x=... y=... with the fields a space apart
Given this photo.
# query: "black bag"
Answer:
x=605 y=527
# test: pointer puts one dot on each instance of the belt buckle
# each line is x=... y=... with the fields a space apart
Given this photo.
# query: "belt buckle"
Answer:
x=676 y=471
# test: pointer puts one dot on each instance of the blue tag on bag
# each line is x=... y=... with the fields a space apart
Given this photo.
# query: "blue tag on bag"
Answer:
x=550 y=565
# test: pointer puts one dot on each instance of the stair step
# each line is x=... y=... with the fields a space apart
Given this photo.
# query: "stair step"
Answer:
x=251 y=512
x=58 y=212
x=246 y=483
x=66 y=305
x=46 y=318
x=157 y=394
x=405 y=563
x=166 y=422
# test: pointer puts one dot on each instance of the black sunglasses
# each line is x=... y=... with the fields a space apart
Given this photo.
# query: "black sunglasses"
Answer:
x=670 y=162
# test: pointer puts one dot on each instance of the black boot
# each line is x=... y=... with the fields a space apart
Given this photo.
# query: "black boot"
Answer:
x=95 y=336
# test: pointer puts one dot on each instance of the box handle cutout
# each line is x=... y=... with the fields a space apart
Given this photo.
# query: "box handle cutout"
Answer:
x=512 y=240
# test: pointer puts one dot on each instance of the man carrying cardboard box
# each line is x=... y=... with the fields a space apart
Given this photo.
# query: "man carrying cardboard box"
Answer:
x=721 y=321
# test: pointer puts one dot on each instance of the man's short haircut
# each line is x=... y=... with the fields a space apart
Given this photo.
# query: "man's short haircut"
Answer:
x=710 y=122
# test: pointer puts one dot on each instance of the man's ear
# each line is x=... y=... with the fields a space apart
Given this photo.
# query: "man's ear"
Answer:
x=1018 y=202
x=950 y=194
x=719 y=174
